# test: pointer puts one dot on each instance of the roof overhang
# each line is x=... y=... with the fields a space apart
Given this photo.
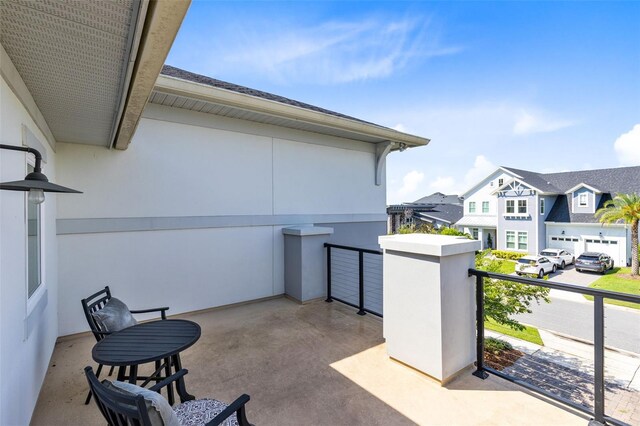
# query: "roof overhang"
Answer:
x=584 y=185
x=88 y=67
x=179 y=93
x=161 y=27
x=478 y=221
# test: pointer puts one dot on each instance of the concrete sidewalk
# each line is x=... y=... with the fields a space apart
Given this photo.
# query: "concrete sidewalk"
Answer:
x=564 y=366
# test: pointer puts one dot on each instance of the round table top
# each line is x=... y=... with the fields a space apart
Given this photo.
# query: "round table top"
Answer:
x=146 y=342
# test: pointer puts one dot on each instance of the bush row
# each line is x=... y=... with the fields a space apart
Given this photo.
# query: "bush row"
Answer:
x=511 y=255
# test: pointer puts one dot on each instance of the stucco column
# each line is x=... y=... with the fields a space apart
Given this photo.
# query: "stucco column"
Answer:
x=429 y=302
x=305 y=267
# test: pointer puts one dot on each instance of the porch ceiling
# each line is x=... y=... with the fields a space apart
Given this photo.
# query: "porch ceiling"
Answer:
x=318 y=364
x=73 y=57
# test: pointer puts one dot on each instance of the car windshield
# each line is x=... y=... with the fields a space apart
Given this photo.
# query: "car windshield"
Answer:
x=527 y=261
x=583 y=257
x=549 y=253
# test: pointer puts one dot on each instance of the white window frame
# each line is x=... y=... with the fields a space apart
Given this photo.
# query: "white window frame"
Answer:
x=526 y=206
x=32 y=301
x=474 y=233
x=472 y=203
x=586 y=199
x=506 y=208
x=542 y=206
x=500 y=182
x=485 y=203
x=526 y=233
x=516 y=242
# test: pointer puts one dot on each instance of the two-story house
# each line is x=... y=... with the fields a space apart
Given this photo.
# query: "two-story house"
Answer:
x=528 y=211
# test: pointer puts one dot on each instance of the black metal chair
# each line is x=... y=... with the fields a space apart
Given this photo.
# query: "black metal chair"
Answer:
x=93 y=304
x=121 y=409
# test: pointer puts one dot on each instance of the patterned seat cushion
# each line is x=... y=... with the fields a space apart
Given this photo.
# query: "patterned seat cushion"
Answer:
x=201 y=411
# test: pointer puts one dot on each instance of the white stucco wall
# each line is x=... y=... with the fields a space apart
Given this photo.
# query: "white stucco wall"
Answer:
x=27 y=336
x=191 y=214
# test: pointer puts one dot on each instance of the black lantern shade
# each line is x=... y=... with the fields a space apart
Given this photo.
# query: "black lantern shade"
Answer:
x=35 y=180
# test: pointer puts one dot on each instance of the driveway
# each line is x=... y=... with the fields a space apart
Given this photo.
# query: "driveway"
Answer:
x=570 y=276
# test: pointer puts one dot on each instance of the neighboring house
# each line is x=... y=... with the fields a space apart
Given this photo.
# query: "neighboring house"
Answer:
x=437 y=209
x=187 y=181
x=528 y=211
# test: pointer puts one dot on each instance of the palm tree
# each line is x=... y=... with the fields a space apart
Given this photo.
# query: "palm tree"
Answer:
x=624 y=208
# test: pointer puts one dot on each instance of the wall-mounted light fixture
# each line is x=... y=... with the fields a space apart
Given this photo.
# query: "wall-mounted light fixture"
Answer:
x=35 y=182
x=601 y=235
x=562 y=232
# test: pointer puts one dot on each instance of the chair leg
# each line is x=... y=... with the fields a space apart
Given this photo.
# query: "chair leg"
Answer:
x=86 y=401
x=111 y=370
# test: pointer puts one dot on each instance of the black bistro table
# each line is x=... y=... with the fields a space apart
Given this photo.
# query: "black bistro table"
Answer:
x=156 y=341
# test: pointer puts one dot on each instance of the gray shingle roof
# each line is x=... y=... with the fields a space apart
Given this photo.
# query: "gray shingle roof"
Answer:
x=171 y=71
x=561 y=211
x=614 y=180
x=439 y=198
x=447 y=212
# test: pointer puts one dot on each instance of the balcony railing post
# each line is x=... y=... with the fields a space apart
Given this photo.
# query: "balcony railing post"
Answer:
x=480 y=372
x=361 y=310
x=598 y=345
x=328 y=299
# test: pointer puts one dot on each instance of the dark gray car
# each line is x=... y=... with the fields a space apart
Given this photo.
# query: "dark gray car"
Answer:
x=592 y=261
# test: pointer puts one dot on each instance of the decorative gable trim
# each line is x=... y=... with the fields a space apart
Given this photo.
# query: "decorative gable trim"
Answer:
x=584 y=185
x=519 y=187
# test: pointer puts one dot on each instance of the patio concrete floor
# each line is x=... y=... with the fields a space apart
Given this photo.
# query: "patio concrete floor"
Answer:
x=315 y=364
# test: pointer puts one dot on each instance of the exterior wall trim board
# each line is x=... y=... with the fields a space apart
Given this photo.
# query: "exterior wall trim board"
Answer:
x=137 y=224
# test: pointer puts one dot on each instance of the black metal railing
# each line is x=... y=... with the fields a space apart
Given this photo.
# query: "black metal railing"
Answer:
x=354 y=277
x=598 y=411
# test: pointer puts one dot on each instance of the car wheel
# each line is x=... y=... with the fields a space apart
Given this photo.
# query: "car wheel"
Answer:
x=562 y=265
x=579 y=270
x=554 y=269
x=541 y=273
x=612 y=263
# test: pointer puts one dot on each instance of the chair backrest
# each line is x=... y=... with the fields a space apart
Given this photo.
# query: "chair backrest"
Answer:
x=118 y=409
x=92 y=304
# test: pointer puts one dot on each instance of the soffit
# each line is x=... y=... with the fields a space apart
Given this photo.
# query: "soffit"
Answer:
x=232 y=112
x=73 y=57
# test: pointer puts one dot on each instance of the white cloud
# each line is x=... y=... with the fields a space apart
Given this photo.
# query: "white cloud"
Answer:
x=410 y=182
x=627 y=147
x=332 y=52
x=444 y=184
x=528 y=122
x=481 y=168
x=400 y=127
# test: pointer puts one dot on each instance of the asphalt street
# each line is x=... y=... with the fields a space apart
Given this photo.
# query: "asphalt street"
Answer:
x=573 y=315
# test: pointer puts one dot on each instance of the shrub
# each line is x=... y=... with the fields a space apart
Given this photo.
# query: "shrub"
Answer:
x=496 y=346
x=510 y=255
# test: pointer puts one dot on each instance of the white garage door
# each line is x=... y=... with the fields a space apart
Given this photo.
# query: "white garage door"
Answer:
x=564 y=242
x=609 y=246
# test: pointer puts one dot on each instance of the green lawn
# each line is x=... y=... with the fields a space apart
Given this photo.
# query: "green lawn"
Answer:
x=506 y=267
x=530 y=334
x=613 y=282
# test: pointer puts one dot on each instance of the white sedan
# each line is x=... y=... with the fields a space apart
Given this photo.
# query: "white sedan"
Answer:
x=535 y=265
x=560 y=257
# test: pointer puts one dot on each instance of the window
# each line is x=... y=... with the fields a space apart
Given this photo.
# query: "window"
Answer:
x=485 y=207
x=522 y=206
x=541 y=205
x=34 y=244
x=511 y=206
x=500 y=182
x=472 y=206
x=474 y=233
x=511 y=239
x=582 y=200
x=522 y=241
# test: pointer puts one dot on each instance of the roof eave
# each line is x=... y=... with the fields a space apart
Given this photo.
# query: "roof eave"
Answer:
x=203 y=92
x=161 y=24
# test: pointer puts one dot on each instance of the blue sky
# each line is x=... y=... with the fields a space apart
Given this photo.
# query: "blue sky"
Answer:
x=545 y=86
